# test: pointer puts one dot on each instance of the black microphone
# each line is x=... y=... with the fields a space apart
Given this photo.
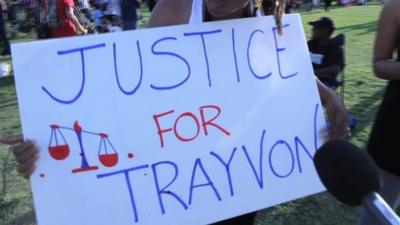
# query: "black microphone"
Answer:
x=352 y=177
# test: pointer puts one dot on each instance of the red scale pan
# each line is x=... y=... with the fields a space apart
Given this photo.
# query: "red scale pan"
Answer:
x=57 y=150
x=107 y=158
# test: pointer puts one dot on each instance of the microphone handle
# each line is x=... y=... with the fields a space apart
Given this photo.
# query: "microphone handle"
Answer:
x=375 y=204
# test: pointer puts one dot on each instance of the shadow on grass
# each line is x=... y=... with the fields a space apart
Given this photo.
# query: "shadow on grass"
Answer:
x=318 y=209
x=8 y=208
x=366 y=27
x=27 y=218
x=6 y=81
x=364 y=108
x=8 y=104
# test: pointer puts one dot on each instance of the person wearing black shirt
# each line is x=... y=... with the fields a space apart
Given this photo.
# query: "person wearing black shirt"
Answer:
x=383 y=144
x=151 y=4
x=326 y=53
x=130 y=13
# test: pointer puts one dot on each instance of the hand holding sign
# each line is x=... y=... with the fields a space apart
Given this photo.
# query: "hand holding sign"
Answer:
x=337 y=114
x=224 y=135
x=26 y=153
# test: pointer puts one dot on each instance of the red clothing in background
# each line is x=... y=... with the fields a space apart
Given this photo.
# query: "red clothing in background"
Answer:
x=65 y=27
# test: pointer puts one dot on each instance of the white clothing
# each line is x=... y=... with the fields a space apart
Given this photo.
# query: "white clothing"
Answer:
x=113 y=29
x=85 y=4
x=197 y=14
x=113 y=8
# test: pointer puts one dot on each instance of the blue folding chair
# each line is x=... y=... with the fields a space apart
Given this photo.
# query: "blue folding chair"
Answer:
x=336 y=83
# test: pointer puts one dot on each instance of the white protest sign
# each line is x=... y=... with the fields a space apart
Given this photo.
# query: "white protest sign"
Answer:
x=188 y=124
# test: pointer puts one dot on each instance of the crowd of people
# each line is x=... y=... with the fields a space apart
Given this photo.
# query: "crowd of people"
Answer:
x=97 y=16
x=63 y=18
x=326 y=55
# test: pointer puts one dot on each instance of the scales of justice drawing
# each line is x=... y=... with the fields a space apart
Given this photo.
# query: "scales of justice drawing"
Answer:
x=59 y=148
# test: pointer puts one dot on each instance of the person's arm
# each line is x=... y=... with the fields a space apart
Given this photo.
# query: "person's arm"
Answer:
x=69 y=11
x=26 y=153
x=3 y=5
x=170 y=12
x=336 y=112
x=388 y=30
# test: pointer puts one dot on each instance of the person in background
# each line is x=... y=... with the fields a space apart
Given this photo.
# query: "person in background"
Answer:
x=98 y=14
x=113 y=8
x=130 y=13
x=327 y=5
x=268 y=6
x=383 y=143
x=3 y=31
x=326 y=53
x=68 y=23
x=110 y=24
x=13 y=7
x=86 y=10
x=13 y=10
x=174 y=12
x=101 y=4
x=151 y=4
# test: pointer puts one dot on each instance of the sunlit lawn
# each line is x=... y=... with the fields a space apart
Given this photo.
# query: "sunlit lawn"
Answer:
x=362 y=95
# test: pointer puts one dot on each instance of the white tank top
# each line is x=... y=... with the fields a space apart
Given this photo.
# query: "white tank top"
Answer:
x=198 y=13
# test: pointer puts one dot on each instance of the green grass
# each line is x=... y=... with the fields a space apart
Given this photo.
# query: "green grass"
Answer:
x=363 y=90
x=15 y=199
x=363 y=94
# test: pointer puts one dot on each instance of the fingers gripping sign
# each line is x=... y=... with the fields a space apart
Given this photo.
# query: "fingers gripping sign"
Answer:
x=26 y=153
x=10 y=140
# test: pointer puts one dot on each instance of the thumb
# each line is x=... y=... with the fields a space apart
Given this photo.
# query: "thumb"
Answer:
x=11 y=140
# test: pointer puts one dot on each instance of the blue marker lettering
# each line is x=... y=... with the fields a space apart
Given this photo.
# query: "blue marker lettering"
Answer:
x=227 y=168
x=70 y=51
x=161 y=191
x=234 y=55
x=198 y=164
x=202 y=33
x=248 y=57
x=299 y=143
x=315 y=127
x=128 y=182
x=259 y=176
x=278 y=50
x=116 y=70
x=155 y=52
x=281 y=142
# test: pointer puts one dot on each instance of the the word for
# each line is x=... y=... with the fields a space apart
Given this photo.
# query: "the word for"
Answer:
x=204 y=123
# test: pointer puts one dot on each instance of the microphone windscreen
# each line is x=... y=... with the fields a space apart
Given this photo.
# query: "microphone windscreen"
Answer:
x=347 y=172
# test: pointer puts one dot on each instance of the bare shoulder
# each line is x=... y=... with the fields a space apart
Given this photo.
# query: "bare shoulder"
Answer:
x=170 y=12
x=396 y=11
x=392 y=9
x=388 y=31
